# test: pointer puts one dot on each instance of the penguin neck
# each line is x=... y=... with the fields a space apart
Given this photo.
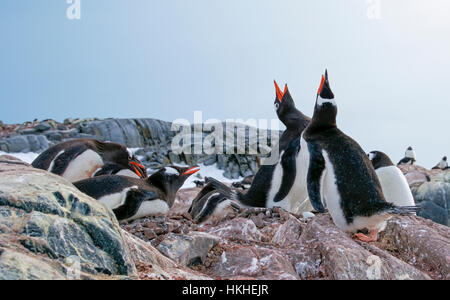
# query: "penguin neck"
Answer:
x=324 y=116
x=295 y=119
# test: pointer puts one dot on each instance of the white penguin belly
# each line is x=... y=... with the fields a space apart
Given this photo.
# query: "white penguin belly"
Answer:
x=150 y=208
x=395 y=186
x=275 y=185
x=83 y=166
x=117 y=199
x=330 y=192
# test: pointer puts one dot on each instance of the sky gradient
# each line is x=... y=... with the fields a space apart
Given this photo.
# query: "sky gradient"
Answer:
x=166 y=59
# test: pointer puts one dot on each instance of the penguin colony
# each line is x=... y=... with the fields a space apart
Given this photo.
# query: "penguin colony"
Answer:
x=319 y=167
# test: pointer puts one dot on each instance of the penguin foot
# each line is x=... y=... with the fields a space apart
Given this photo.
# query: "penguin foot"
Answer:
x=373 y=236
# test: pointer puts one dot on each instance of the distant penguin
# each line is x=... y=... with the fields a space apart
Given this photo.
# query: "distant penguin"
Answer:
x=133 y=198
x=341 y=175
x=443 y=164
x=394 y=185
x=211 y=205
x=410 y=157
x=294 y=120
x=81 y=158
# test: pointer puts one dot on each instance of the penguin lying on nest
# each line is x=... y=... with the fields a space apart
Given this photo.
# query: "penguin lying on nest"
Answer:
x=442 y=165
x=134 y=198
x=273 y=185
x=83 y=158
x=341 y=175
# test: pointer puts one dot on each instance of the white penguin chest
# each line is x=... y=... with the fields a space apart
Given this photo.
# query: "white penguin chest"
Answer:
x=83 y=166
x=117 y=199
x=150 y=208
x=395 y=186
x=330 y=192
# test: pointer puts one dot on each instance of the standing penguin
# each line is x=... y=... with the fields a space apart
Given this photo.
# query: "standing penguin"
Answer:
x=394 y=185
x=133 y=198
x=443 y=164
x=410 y=157
x=273 y=185
x=341 y=175
x=294 y=120
x=81 y=158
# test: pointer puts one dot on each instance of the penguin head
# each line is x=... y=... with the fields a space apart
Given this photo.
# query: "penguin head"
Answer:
x=169 y=179
x=325 y=110
x=121 y=155
x=284 y=104
x=379 y=159
x=444 y=158
x=409 y=153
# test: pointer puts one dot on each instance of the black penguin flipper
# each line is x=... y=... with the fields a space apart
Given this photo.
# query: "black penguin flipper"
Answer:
x=61 y=162
x=134 y=199
x=315 y=171
x=404 y=160
x=288 y=164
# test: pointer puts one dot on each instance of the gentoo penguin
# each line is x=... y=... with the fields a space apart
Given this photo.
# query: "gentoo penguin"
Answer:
x=211 y=205
x=273 y=185
x=134 y=198
x=394 y=185
x=294 y=120
x=116 y=169
x=443 y=164
x=341 y=175
x=410 y=157
x=79 y=159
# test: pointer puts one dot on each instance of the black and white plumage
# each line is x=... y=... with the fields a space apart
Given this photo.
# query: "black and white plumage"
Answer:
x=273 y=185
x=294 y=120
x=133 y=198
x=442 y=165
x=211 y=204
x=410 y=157
x=340 y=173
x=81 y=158
x=394 y=185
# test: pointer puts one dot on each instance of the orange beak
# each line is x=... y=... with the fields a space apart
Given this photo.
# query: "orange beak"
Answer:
x=321 y=85
x=191 y=171
x=280 y=94
x=134 y=164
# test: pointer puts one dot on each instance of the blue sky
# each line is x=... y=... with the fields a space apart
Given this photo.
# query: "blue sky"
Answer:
x=165 y=59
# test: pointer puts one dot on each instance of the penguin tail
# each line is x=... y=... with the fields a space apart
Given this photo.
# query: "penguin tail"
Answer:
x=222 y=188
x=404 y=210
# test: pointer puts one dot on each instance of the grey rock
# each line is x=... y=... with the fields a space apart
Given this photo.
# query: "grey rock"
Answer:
x=188 y=250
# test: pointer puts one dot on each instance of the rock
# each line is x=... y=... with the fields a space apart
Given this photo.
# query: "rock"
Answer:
x=68 y=121
x=24 y=143
x=422 y=243
x=259 y=263
x=42 y=216
x=289 y=233
x=151 y=264
x=238 y=229
x=188 y=250
x=44 y=126
x=328 y=252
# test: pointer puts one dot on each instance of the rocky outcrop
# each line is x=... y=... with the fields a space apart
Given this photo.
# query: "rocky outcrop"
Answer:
x=45 y=222
x=431 y=190
x=274 y=244
x=153 y=137
x=50 y=230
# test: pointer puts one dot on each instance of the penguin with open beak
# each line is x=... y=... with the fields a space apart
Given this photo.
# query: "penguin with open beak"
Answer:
x=134 y=198
x=341 y=175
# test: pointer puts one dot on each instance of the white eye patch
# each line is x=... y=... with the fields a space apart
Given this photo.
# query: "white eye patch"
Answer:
x=130 y=153
x=277 y=105
x=321 y=101
x=371 y=155
x=171 y=171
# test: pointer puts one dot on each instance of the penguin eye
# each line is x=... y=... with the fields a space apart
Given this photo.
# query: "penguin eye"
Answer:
x=277 y=105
